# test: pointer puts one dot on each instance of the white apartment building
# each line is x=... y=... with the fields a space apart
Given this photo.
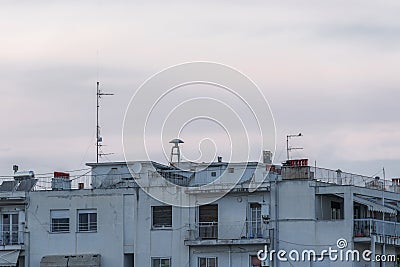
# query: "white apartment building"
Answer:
x=114 y=222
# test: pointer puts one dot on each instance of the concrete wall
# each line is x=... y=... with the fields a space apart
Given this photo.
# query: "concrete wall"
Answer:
x=114 y=213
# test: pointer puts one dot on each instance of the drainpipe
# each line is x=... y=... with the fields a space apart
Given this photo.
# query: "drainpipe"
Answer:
x=383 y=218
x=372 y=263
x=136 y=214
x=230 y=257
x=26 y=232
x=27 y=250
x=276 y=264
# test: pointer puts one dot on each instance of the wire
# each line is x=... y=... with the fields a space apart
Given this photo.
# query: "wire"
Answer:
x=48 y=173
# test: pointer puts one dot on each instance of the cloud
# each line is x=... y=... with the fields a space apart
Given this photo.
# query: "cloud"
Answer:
x=328 y=69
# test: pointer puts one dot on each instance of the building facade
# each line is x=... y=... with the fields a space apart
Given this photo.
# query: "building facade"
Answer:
x=294 y=207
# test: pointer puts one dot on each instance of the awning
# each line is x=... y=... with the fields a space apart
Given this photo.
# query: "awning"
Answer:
x=9 y=257
x=374 y=206
x=395 y=207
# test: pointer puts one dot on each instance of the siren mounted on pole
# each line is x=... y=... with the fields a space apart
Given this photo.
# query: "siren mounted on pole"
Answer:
x=175 y=151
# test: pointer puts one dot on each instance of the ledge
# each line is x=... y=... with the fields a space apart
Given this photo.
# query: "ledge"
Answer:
x=222 y=242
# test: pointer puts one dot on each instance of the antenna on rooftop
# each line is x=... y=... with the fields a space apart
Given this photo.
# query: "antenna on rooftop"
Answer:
x=175 y=151
x=289 y=148
x=99 y=139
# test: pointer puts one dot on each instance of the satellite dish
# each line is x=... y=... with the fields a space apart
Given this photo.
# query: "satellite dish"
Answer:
x=136 y=167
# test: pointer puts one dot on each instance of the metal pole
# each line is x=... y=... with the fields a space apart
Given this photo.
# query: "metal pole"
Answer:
x=287 y=147
x=97 y=123
x=383 y=218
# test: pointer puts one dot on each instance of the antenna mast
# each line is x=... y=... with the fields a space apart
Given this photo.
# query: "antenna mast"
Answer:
x=99 y=139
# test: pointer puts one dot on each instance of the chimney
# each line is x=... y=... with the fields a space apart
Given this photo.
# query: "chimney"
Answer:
x=267 y=157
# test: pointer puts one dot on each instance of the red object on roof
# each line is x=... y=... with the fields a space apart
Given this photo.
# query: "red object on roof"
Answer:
x=61 y=175
x=297 y=162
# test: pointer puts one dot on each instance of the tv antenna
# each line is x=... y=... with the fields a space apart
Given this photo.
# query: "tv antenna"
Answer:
x=99 y=139
x=289 y=148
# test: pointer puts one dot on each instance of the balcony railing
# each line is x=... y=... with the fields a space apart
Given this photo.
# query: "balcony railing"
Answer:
x=254 y=229
x=229 y=231
x=11 y=238
x=208 y=230
x=368 y=227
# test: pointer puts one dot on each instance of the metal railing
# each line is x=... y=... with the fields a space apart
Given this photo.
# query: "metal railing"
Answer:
x=208 y=230
x=345 y=178
x=254 y=229
x=11 y=237
x=232 y=230
x=368 y=227
x=87 y=227
x=59 y=227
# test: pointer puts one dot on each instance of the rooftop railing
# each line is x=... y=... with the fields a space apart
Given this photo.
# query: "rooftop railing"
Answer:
x=343 y=178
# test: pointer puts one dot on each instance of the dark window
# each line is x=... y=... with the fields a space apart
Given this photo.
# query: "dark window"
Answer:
x=208 y=262
x=87 y=221
x=162 y=216
x=161 y=262
x=208 y=221
x=254 y=261
x=213 y=174
x=335 y=210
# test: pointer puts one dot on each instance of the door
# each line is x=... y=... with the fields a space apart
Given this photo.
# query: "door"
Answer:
x=10 y=228
x=208 y=222
x=254 y=229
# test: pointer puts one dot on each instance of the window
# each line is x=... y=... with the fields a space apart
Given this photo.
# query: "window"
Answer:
x=208 y=221
x=208 y=262
x=255 y=221
x=231 y=170
x=254 y=261
x=161 y=262
x=335 y=210
x=162 y=216
x=213 y=174
x=87 y=220
x=9 y=234
x=59 y=221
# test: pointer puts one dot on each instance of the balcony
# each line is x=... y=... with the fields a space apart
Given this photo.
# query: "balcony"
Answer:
x=384 y=231
x=11 y=238
x=235 y=233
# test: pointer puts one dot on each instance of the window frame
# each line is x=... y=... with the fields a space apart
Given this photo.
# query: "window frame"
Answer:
x=161 y=225
x=92 y=226
x=160 y=259
x=251 y=261
x=336 y=211
x=207 y=261
x=61 y=229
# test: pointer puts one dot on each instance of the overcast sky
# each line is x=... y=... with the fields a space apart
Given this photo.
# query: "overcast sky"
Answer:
x=329 y=69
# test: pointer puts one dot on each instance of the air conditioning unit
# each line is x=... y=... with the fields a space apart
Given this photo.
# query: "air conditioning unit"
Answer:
x=265 y=212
